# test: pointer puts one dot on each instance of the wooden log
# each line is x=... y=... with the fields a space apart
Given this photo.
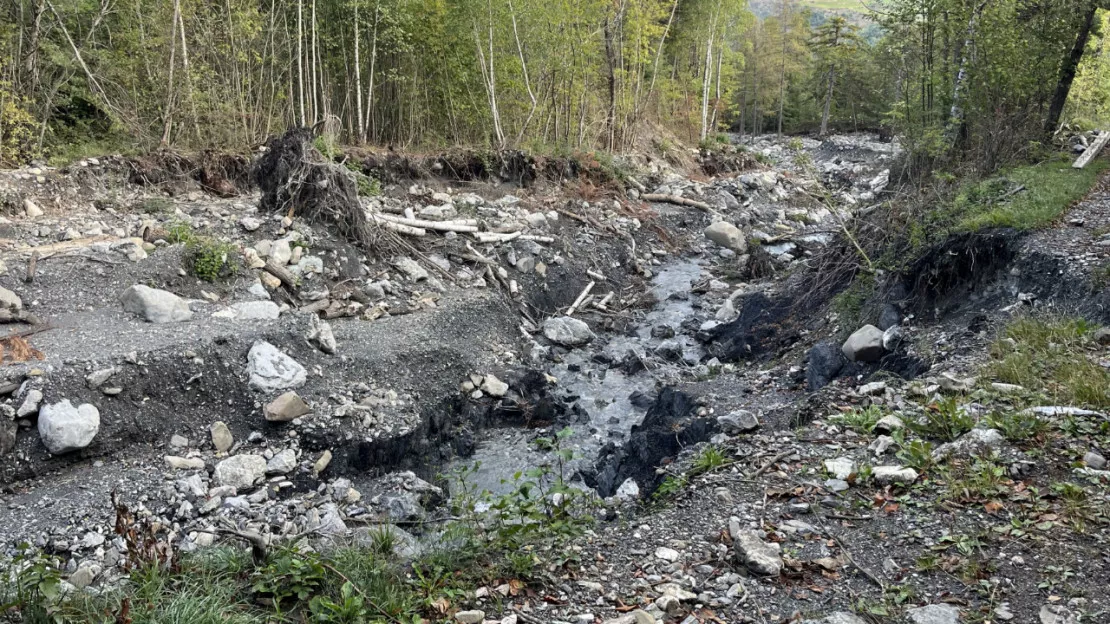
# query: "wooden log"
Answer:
x=1093 y=150
x=282 y=274
x=439 y=226
x=675 y=199
x=31 y=266
x=581 y=298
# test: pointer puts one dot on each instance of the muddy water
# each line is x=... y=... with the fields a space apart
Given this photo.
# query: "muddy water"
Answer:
x=604 y=393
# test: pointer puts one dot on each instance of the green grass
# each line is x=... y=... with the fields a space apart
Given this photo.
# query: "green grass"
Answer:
x=1051 y=187
x=1057 y=357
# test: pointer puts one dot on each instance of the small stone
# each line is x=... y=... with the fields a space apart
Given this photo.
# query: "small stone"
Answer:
x=410 y=269
x=271 y=370
x=64 y=428
x=951 y=383
x=738 y=421
x=727 y=235
x=286 y=408
x=322 y=462
x=221 y=436
x=934 y=614
x=255 y=311
x=98 y=378
x=881 y=444
x=281 y=252
x=567 y=331
x=156 y=306
x=282 y=463
x=470 y=617
x=888 y=424
x=321 y=335
x=1094 y=460
x=840 y=468
x=865 y=345
x=494 y=387
x=240 y=471
x=887 y=475
x=179 y=441
x=759 y=556
x=1005 y=388
x=629 y=490
x=184 y=463
x=30 y=404
x=250 y=224
x=31 y=208
x=1056 y=614
x=9 y=300
x=892 y=338
x=836 y=485
x=667 y=554
x=873 y=388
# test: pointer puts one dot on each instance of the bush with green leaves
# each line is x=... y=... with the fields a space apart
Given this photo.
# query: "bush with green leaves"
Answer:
x=206 y=257
x=945 y=420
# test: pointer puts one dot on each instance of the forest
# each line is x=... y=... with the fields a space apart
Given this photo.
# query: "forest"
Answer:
x=982 y=78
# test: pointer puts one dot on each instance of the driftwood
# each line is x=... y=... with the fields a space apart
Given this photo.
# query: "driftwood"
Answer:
x=581 y=298
x=1093 y=150
x=675 y=199
x=466 y=225
x=282 y=274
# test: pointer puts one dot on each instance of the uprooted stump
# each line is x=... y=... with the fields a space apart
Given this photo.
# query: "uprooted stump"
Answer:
x=297 y=180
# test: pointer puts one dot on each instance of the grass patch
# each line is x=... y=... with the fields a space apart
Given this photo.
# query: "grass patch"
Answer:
x=206 y=258
x=1050 y=188
x=1053 y=356
x=860 y=420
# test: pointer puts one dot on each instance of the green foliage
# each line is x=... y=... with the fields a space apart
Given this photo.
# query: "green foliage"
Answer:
x=944 y=420
x=289 y=575
x=1054 y=356
x=981 y=479
x=34 y=586
x=17 y=125
x=1017 y=425
x=860 y=420
x=849 y=303
x=669 y=487
x=206 y=257
x=708 y=459
x=916 y=454
x=348 y=609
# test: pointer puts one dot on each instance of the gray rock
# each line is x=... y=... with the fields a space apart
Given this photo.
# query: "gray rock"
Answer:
x=888 y=424
x=31 y=208
x=866 y=345
x=271 y=370
x=9 y=300
x=629 y=490
x=281 y=252
x=567 y=331
x=728 y=236
x=891 y=316
x=156 y=306
x=888 y=475
x=494 y=387
x=240 y=471
x=639 y=616
x=64 y=428
x=892 y=338
x=96 y=379
x=184 y=463
x=974 y=442
x=320 y=334
x=256 y=310
x=1094 y=460
x=470 y=617
x=934 y=614
x=881 y=444
x=30 y=403
x=738 y=421
x=840 y=617
x=759 y=556
x=823 y=363
x=1056 y=614
x=286 y=407
x=221 y=436
x=840 y=468
x=282 y=463
x=250 y=224
x=411 y=269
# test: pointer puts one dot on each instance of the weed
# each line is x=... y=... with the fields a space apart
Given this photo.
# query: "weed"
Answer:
x=1056 y=578
x=289 y=575
x=669 y=488
x=944 y=419
x=708 y=459
x=860 y=420
x=210 y=259
x=1052 y=355
x=155 y=205
x=1017 y=426
x=917 y=454
x=983 y=479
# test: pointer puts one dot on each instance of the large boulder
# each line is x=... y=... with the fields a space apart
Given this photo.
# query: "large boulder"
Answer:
x=866 y=345
x=240 y=471
x=728 y=236
x=567 y=331
x=156 y=306
x=271 y=370
x=824 y=362
x=64 y=428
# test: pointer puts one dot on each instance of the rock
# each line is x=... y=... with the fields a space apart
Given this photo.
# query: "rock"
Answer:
x=178 y=441
x=888 y=475
x=64 y=428
x=221 y=436
x=30 y=403
x=840 y=468
x=866 y=345
x=667 y=554
x=891 y=316
x=567 y=331
x=1005 y=388
x=638 y=616
x=759 y=556
x=974 y=442
x=840 y=617
x=411 y=269
x=837 y=485
x=934 y=614
x=83 y=577
x=31 y=208
x=728 y=236
x=322 y=462
x=1102 y=336
x=888 y=424
x=9 y=300
x=470 y=617
x=1056 y=614
x=286 y=407
x=98 y=378
x=282 y=463
x=872 y=389
x=629 y=490
x=156 y=306
x=281 y=252
x=320 y=334
x=494 y=387
x=1094 y=460
x=240 y=471
x=271 y=370
x=951 y=383
x=250 y=224
x=184 y=463
x=824 y=363
x=739 y=421
x=892 y=338
x=881 y=444
x=256 y=310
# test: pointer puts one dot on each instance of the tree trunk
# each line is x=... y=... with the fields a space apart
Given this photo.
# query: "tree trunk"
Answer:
x=300 y=59
x=828 y=102
x=361 y=136
x=168 y=112
x=707 y=79
x=956 y=116
x=370 y=86
x=1067 y=71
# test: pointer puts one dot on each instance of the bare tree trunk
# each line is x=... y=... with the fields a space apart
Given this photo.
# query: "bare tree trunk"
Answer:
x=185 y=69
x=782 y=69
x=300 y=59
x=828 y=102
x=956 y=116
x=370 y=87
x=314 y=76
x=524 y=70
x=361 y=136
x=1068 y=69
x=611 y=78
x=168 y=111
x=490 y=78
x=717 y=96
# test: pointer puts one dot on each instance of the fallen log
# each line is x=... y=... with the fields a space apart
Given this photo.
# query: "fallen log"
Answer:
x=675 y=199
x=1093 y=150
x=287 y=278
x=468 y=225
